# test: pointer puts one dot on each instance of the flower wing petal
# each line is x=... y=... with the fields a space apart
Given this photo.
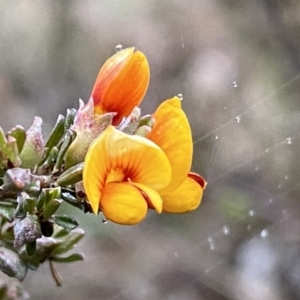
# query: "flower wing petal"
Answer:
x=185 y=198
x=151 y=196
x=122 y=203
x=172 y=133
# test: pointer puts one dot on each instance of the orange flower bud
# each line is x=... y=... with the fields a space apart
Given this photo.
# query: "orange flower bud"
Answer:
x=121 y=83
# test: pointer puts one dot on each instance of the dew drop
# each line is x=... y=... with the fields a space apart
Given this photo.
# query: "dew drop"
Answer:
x=226 y=230
x=211 y=243
x=234 y=84
x=180 y=96
x=264 y=233
x=104 y=221
x=119 y=48
x=238 y=119
x=216 y=137
x=289 y=140
x=251 y=213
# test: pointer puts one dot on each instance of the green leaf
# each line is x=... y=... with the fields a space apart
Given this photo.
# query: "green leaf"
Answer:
x=30 y=205
x=11 y=264
x=68 y=139
x=7 y=210
x=51 y=208
x=26 y=230
x=67 y=242
x=71 y=112
x=31 y=248
x=65 y=222
x=71 y=176
x=54 y=138
x=71 y=258
x=18 y=132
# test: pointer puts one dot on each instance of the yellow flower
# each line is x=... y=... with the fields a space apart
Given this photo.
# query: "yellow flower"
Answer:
x=123 y=175
x=121 y=83
x=172 y=133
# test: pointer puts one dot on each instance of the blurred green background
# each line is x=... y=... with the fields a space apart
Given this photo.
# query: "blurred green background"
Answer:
x=237 y=64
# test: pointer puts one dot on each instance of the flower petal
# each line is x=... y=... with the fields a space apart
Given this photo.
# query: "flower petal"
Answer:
x=122 y=203
x=186 y=198
x=114 y=152
x=121 y=84
x=151 y=196
x=172 y=133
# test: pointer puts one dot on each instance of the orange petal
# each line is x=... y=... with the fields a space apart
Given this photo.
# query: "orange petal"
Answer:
x=186 y=198
x=172 y=133
x=122 y=203
x=151 y=196
x=121 y=83
x=116 y=156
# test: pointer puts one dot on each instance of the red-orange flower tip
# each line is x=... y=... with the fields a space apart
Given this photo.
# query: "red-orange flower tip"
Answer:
x=121 y=83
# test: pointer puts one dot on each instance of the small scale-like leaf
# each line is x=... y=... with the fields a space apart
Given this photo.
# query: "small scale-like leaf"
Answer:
x=70 y=116
x=31 y=248
x=65 y=222
x=51 y=208
x=67 y=242
x=26 y=230
x=11 y=264
x=56 y=133
x=29 y=205
x=18 y=132
x=71 y=175
x=7 y=210
x=71 y=258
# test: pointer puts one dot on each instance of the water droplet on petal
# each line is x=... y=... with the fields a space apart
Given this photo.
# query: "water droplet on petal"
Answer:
x=226 y=230
x=118 y=48
x=234 y=84
x=264 y=233
x=180 y=96
x=238 y=119
x=289 y=140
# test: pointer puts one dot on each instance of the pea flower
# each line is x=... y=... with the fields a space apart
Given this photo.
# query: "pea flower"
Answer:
x=126 y=174
x=121 y=83
x=123 y=175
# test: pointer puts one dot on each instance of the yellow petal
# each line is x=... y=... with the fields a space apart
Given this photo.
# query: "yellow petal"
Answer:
x=172 y=133
x=121 y=84
x=186 y=198
x=116 y=156
x=151 y=196
x=122 y=203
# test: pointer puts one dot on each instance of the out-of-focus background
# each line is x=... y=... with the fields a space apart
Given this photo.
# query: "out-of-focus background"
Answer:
x=237 y=64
